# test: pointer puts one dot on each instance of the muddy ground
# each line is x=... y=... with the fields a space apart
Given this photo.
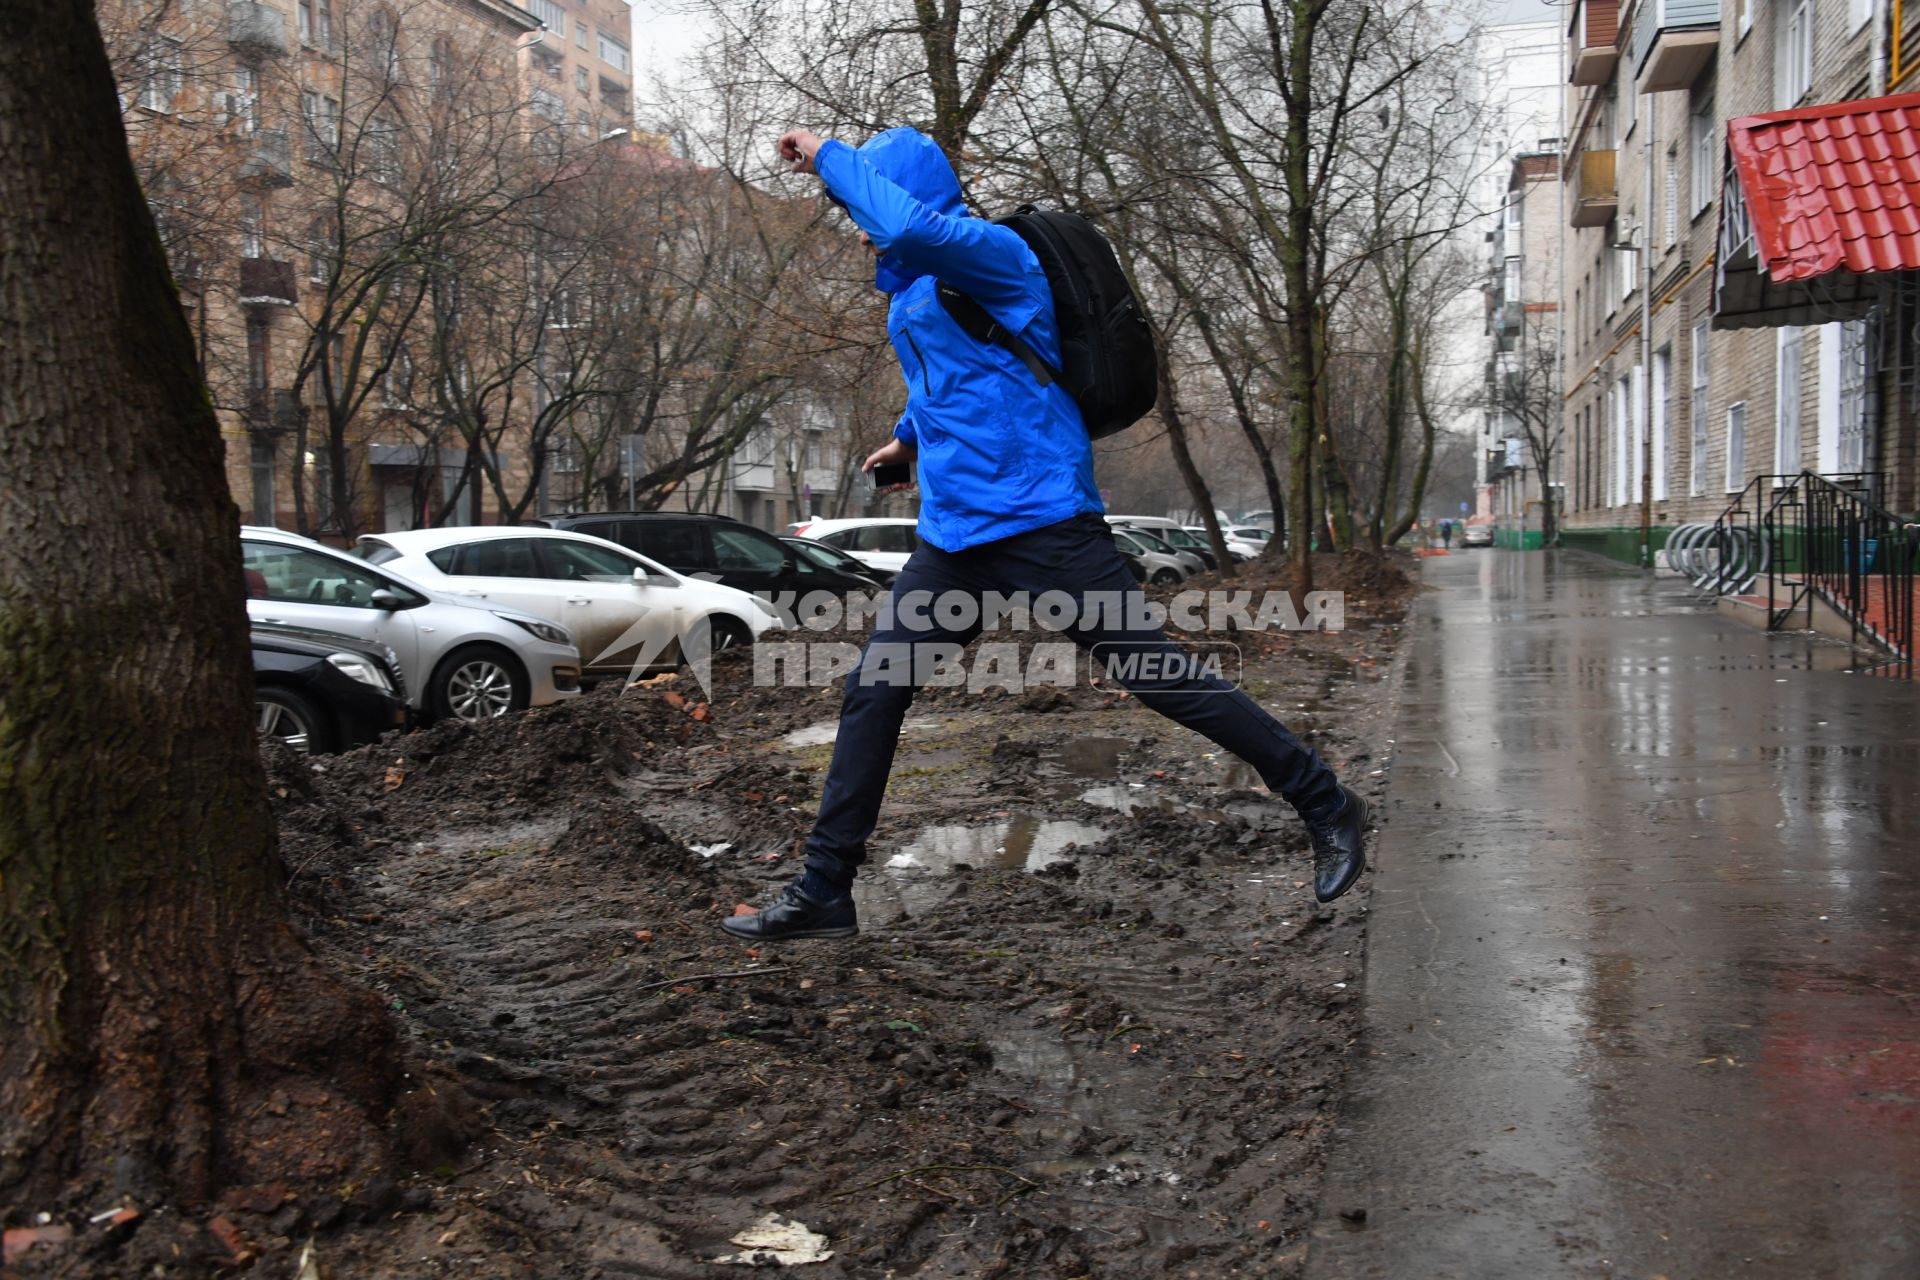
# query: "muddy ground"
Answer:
x=1095 y=1024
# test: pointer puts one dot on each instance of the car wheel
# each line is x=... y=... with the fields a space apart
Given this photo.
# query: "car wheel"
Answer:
x=1164 y=577
x=477 y=683
x=728 y=633
x=283 y=716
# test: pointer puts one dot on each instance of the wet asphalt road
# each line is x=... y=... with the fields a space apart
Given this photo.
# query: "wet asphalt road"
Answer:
x=1643 y=976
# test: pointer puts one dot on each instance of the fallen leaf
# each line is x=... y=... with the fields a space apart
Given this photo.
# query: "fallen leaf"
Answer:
x=645 y=935
x=395 y=776
x=673 y=699
x=702 y=712
x=20 y=1239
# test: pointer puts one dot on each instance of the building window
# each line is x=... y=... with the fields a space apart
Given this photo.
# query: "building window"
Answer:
x=1622 y=441
x=1855 y=404
x=1786 y=420
x=551 y=16
x=1697 y=412
x=1736 y=447
x=1510 y=286
x=614 y=52
x=1705 y=173
x=161 y=78
x=319 y=252
x=383 y=39
x=580 y=34
x=396 y=385
x=253 y=227
x=315 y=21
x=1670 y=198
x=383 y=149
x=440 y=68
x=1793 y=70
x=258 y=375
x=1663 y=397
x=583 y=123
x=261 y=460
x=322 y=116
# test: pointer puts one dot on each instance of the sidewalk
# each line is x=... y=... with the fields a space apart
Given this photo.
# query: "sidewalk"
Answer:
x=1643 y=972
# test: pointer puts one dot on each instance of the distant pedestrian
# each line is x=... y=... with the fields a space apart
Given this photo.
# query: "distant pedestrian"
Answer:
x=1446 y=533
x=1008 y=503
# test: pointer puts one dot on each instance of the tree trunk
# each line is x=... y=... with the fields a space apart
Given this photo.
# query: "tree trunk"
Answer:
x=154 y=997
x=1169 y=406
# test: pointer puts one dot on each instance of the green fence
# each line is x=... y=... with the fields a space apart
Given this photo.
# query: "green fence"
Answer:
x=1616 y=542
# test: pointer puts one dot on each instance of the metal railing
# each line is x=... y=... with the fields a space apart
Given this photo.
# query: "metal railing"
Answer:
x=1843 y=547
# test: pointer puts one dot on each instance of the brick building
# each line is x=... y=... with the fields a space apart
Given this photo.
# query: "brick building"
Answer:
x=1698 y=356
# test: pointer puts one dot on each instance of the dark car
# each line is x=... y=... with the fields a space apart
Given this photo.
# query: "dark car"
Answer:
x=320 y=691
x=719 y=547
x=834 y=560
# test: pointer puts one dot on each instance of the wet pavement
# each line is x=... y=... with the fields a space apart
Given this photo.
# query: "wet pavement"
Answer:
x=1643 y=973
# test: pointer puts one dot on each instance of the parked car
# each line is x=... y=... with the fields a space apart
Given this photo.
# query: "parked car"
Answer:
x=460 y=659
x=693 y=544
x=1239 y=548
x=1171 y=533
x=1252 y=533
x=316 y=691
x=883 y=542
x=610 y=599
x=1190 y=561
x=1476 y=533
x=1160 y=567
x=838 y=564
x=1263 y=519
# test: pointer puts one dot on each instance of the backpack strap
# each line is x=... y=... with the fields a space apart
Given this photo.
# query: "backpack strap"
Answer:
x=981 y=327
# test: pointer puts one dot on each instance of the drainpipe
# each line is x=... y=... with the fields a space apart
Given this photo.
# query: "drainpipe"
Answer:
x=1646 y=336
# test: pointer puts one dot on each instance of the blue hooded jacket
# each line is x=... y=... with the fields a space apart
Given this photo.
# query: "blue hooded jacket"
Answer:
x=998 y=453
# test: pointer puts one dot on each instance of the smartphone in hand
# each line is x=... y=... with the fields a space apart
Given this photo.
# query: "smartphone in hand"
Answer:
x=890 y=475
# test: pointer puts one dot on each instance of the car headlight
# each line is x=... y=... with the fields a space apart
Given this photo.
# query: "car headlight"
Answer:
x=540 y=630
x=359 y=668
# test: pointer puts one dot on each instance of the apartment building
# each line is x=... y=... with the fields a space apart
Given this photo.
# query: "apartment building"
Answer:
x=582 y=64
x=313 y=166
x=1741 y=248
x=1522 y=458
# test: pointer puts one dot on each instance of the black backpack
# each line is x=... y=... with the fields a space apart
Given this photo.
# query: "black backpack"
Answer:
x=1107 y=359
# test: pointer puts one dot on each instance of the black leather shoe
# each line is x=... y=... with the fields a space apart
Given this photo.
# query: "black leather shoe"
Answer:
x=1339 y=848
x=795 y=915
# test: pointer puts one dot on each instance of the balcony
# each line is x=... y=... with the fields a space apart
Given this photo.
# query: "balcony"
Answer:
x=270 y=412
x=267 y=282
x=268 y=159
x=256 y=29
x=1672 y=41
x=1594 y=39
x=1596 y=196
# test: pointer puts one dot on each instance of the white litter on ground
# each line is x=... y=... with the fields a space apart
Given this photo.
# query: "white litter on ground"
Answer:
x=708 y=850
x=780 y=1241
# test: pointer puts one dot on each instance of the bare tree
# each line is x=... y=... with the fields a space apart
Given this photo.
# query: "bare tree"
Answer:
x=1525 y=393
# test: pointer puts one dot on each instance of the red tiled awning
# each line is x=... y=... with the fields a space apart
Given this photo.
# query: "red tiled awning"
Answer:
x=1821 y=201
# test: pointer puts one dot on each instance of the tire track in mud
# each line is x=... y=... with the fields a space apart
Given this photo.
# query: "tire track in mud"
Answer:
x=1121 y=1064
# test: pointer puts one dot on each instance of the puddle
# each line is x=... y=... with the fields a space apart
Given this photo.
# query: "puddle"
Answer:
x=827 y=731
x=1022 y=843
x=1091 y=757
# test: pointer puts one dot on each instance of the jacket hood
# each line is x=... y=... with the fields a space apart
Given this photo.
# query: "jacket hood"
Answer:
x=913 y=162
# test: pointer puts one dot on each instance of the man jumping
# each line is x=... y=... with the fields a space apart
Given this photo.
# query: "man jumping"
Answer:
x=1008 y=504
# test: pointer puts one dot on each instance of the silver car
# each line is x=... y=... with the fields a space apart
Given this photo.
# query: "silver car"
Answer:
x=1156 y=567
x=460 y=660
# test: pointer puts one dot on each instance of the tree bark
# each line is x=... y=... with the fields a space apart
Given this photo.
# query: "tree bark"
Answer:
x=154 y=996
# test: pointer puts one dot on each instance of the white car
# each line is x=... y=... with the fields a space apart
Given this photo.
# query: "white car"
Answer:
x=1238 y=548
x=884 y=543
x=613 y=600
x=455 y=659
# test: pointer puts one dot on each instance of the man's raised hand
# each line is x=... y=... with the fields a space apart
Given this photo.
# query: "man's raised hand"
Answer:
x=797 y=148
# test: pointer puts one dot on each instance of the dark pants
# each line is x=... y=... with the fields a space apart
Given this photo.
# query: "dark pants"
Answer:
x=1076 y=556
